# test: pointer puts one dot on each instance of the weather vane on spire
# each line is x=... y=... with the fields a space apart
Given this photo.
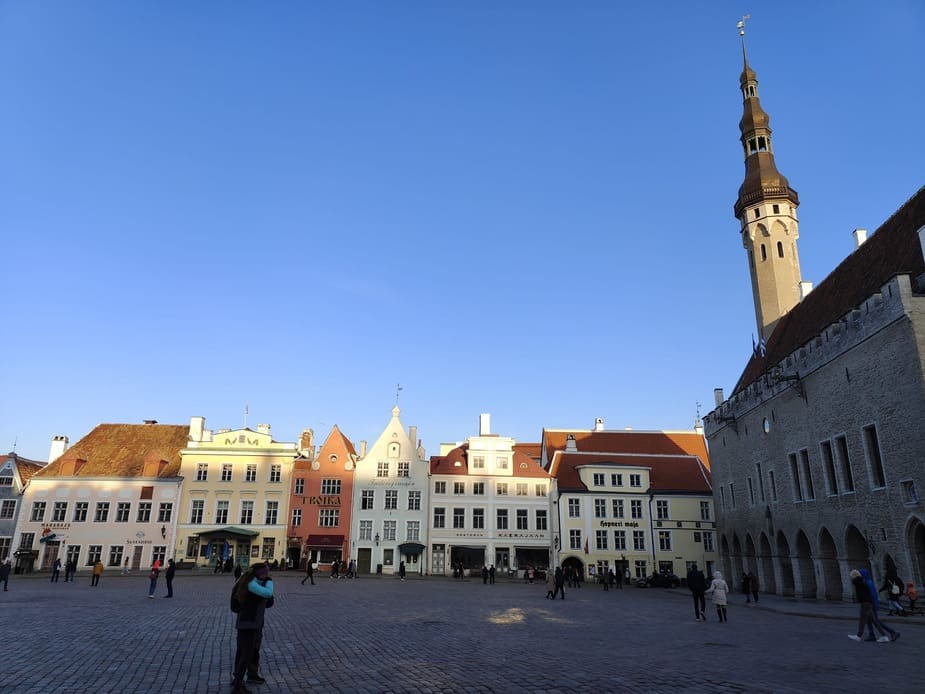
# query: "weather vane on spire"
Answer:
x=398 y=390
x=740 y=25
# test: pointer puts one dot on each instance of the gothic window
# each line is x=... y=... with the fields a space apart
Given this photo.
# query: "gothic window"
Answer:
x=764 y=253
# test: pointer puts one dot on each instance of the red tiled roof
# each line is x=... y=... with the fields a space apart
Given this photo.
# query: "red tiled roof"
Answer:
x=668 y=473
x=893 y=249
x=534 y=450
x=25 y=467
x=523 y=464
x=631 y=442
x=121 y=450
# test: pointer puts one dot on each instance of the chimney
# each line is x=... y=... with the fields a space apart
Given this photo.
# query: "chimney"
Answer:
x=698 y=426
x=362 y=449
x=860 y=236
x=484 y=424
x=570 y=445
x=263 y=429
x=307 y=443
x=805 y=289
x=422 y=454
x=58 y=446
x=413 y=434
x=599 y=424
x=718 y=396
x=196 y=427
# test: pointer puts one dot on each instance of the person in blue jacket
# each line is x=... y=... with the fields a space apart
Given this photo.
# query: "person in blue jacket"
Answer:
x=874 y=617
x=254 y=592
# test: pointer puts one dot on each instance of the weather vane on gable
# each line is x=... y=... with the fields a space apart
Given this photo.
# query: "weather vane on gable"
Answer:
x=398 y=390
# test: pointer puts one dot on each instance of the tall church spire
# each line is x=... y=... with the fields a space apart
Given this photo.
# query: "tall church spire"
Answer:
x=767 y=211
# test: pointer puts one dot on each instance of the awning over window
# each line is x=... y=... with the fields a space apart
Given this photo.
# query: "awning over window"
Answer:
x=229 y=532
x=325 y=541
x=411 y=548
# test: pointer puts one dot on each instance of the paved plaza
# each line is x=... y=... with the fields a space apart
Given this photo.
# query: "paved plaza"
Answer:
x=435 y=635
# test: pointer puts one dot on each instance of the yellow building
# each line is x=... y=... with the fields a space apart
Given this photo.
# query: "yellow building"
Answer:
x=235 y=498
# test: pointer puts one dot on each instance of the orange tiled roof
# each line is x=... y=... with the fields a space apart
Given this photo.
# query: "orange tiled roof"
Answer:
x=668 y=473
x=25 y=467
x=122 y=450
x=893 y=249
x=337 y=437
x=523 y=464
x=534 y=450
x=638 y=442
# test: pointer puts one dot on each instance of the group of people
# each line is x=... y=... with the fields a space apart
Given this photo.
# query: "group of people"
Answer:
x=70 y=568
x=750 y=585
x=488 y=574
x=865 y=591
x=168 y=575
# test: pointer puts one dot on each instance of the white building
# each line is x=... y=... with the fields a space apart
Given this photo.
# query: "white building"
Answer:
x=388 y=522
x=490 y=504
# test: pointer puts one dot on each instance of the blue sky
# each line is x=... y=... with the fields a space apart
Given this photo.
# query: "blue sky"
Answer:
x=522 y=208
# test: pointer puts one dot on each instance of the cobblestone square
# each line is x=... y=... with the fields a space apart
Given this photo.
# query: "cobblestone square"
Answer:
x=435 y=635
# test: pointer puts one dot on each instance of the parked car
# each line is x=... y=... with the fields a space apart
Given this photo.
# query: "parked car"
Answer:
x=656 y=580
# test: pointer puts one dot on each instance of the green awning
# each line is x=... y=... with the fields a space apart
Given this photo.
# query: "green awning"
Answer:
x=411 y=548
x=231 y=531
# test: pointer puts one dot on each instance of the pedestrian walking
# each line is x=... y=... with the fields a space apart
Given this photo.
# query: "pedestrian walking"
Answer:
x=254 y=594
x=309 y=572
x=717 y=592
x=484 y=575
x=334 y=568
x=604 y=581
x=550 y=584
x=55 y=570
x=125 y=567
x=5 y=573
x=401 y=570
x=491 y=575
x=894 y=587
x=168 y=575
x=875 y=599
x=152 y=577
x=626 y=575
x=746 y=587
x=351 y=569
x=559 y=583
x=753 y=585
x=866 y=607
x=618 y=579
x=97 y=572
x=697 y=583
x=238 y=571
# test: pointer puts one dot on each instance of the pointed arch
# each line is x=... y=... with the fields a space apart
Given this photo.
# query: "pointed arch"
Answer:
x=786 y=564
x=857 y=550
x=915 y=541
x=768 y=580
x=805 y=566
x=831 y=572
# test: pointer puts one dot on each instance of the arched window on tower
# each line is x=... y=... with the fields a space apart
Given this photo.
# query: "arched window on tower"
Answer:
x=751 y=259
x=762 y=144
x=780 y=250
x=764 y=253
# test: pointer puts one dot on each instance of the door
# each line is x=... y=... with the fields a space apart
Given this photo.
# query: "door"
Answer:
x=364 y=560
x=136 y=557
x=438 y=562
x=51 y=553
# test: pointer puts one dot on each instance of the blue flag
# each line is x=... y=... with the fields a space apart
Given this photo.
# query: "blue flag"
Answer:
x=226 y=550
x=208 y=550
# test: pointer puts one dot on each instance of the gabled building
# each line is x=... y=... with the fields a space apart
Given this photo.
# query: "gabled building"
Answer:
x=320 y=502
x=15 y=473
x=112 y=496
x=817 y=454
x=389 y=520
x=235 y=501
x=490 y=504
x=641 y=500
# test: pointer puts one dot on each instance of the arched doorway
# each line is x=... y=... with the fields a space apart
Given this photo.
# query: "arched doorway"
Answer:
x=574 y=563
x=727 y=559
x=857 y=551
x=786 y=565
x=916 y=541
x=736 y=561
x=805 y=569
x=768 y=580
x=831 y=573
x=750 y=562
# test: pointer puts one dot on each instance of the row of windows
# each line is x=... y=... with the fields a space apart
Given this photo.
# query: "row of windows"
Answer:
x=327 y=517
x=837 y=473
x=616 y=479
x=502 y=519
x=368 y=500
x=328 y=486
x=665 y=543
x=227 y=472
x=390 y=531
x=501 y=488
x=618 y=509
x=101 y=512
x=113 y=558
x=384 y=469
x=270 y=517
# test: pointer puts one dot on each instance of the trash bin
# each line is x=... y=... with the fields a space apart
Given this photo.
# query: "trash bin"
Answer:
x=378 y=569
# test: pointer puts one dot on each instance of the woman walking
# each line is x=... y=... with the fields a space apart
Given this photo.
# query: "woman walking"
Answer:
x=717 y=591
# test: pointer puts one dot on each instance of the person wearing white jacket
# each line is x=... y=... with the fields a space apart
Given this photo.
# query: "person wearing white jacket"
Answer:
x=717 y=592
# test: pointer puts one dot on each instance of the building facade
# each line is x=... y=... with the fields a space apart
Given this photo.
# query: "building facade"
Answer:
x=817 y=455
x=320 y=503
x=111 y=497
x=235 y=496
x=490 y=505
x=15 y=473
x=389 y=520
x=641 y=501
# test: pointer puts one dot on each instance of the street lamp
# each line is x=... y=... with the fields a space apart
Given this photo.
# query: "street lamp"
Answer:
x=377 y=539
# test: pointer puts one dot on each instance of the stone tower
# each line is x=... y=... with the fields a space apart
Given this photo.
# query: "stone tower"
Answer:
x=767 y=212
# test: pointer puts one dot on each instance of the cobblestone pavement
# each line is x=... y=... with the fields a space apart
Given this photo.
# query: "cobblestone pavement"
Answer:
x=435 y=635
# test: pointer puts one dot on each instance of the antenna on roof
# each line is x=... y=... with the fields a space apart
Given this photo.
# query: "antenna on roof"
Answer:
x=15 y=441
x=246 y=412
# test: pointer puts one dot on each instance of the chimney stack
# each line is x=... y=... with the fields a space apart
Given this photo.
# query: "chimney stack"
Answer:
x=805 y=289
x=307 y=443
x=570 y=445
x=196 y=427
x=263 y=429
x=484 y=424
x=718 y=396
x=413 y=434
x=860 y=236
x=362 y=449
x=599 y=424
x=58 y=446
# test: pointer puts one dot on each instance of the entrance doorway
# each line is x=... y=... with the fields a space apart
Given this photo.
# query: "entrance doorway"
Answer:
x=50 y=555
x=136 y=557
x=364 y=560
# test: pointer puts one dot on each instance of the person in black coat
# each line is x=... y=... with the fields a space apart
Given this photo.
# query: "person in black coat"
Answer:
x=697 y=583
x=171 y=570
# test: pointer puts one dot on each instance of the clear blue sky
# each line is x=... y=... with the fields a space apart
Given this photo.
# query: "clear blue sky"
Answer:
x=522 y=208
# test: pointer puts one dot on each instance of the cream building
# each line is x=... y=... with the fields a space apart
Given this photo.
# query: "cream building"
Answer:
x=235 y=500
x=112 y=497
x=490 y=504
x=389 y=522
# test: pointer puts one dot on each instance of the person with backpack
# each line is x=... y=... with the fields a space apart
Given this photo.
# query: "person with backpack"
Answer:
x=250 y=597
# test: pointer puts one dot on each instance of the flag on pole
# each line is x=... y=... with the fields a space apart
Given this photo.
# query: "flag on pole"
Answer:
x=586 y=546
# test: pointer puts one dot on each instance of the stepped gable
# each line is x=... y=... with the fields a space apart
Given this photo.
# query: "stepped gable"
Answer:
x=122 y=450
x=893 y=249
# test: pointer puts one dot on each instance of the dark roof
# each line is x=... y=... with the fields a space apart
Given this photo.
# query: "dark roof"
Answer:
x=893 y=249
x=668 y=473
